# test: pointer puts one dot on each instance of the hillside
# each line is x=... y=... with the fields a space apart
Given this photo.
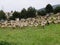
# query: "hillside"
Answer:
x=54 y=6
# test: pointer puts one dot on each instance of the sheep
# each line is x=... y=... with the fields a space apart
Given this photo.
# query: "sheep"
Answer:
x=58 y=17
x=43 y=23
x=33 y=19
x=21 y=24
x=56 y=21
x=58 y=14
x=35 y=24
x=30 y=23
x=38 y=21
x=49 y=21
x=2 y=26
x=17 y=19
x=54 y=18
x=17 y=23
x=13 y=26
x=22 y=20
x=25 y=23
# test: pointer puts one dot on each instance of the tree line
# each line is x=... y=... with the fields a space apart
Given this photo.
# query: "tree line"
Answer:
x=31 y=12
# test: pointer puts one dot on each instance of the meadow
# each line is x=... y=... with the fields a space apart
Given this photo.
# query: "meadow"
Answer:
x=49 y=35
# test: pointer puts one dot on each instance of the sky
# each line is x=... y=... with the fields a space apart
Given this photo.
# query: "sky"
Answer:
x=18 y=5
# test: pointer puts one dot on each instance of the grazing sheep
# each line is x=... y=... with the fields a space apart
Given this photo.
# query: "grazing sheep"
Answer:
x=22 y=20
x=56 y=21
x=2 y=26
x=58 y=17
x=43 y=23
x=30 y=23
x=17 y=23
x=38 y=21
x=54 y=18
x=21 y=24
x=26 y=23
x=13 y=26
x=17 y=19
x=35 y=24
x=49 y=21
x=58 y=14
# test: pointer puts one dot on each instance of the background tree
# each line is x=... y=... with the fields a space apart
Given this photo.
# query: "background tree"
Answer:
x=2 y=15
x=41 y=12
x=49 y=8
x=15 y=15
x=31 y=12
x=23 y=13
x=57 y=9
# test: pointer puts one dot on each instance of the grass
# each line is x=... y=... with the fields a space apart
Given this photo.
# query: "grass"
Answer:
x=50 y=35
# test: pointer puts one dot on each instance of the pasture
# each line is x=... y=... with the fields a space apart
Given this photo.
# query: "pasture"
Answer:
x=49 y=35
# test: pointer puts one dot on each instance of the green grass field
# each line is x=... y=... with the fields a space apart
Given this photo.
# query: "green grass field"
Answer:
x=50 y=35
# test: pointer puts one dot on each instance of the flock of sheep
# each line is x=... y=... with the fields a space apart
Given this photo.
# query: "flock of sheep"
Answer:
x=40 y=20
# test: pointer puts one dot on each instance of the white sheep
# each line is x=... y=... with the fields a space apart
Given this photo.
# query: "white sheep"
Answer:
x=56 y=21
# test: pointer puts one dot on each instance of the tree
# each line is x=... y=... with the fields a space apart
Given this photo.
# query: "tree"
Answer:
x=2 y=15
x=41 y=12
x=57 y=9
x=31 y=12
x=15 y=15
x=49 y=9
x=23 y=13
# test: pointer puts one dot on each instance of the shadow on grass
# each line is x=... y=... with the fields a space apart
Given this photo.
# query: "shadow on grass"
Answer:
x=6 y=43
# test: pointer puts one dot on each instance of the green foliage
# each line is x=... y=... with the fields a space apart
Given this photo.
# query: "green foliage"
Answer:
x=57 y=9
x=15 y=15
x=49 y=8
x=23 y=13
x=41 y=13
x=31 y=12
x=2 y=15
